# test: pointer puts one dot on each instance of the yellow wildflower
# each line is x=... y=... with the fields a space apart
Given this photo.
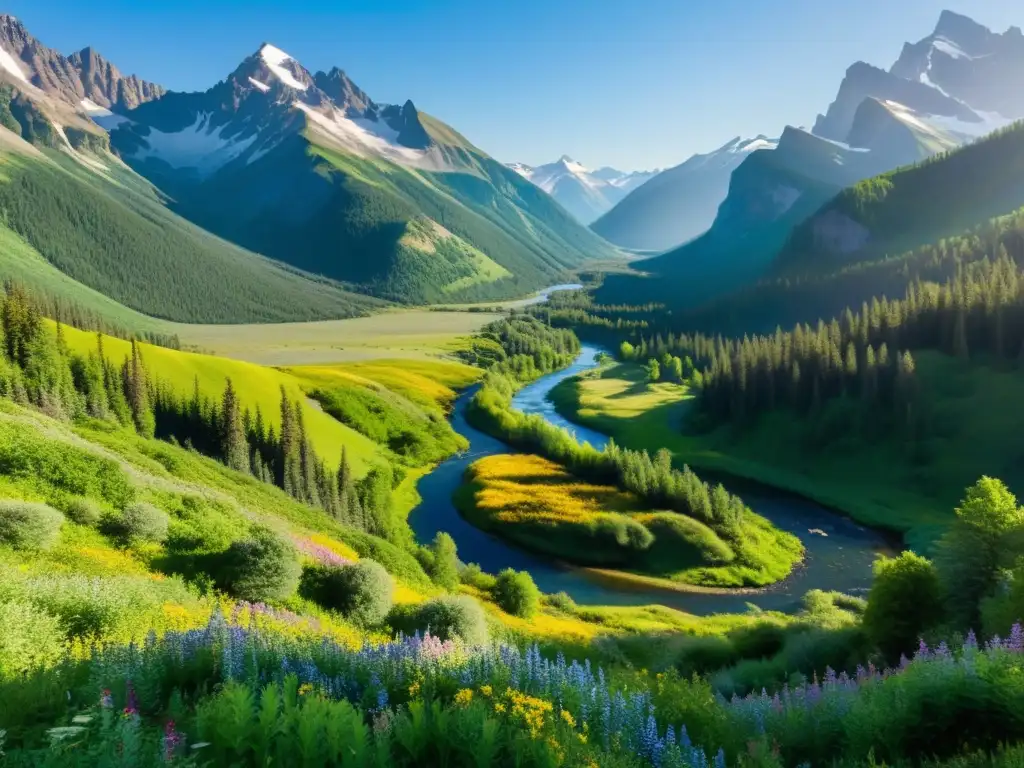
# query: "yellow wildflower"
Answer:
x=464 y=697
x=414 y=689
x=486 y=690
x=305 y=688
x=568 y=718
x=499 y=707
x=582 y=737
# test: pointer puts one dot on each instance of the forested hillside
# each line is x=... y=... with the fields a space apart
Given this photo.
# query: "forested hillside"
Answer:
x=911 y=206
x=124 y=243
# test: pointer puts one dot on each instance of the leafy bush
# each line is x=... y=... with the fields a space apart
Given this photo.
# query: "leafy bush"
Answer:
x=141 y=521
x=261 y=567
x=454 y=616
x=561 y=601
x=444 y=565
x=516 y=593
x=474 y=576
x=82 y=511
x=759 y=641
x=905 y=599
x=31 y=637
x=363 y=592
x=27 y=525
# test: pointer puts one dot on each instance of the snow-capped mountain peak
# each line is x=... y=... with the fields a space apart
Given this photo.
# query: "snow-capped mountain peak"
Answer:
x=283 y=66
x=584 y=193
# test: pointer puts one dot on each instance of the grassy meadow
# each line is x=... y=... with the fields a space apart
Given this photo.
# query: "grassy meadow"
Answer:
x=416 y=334
x=882 y=483
x=541 y=506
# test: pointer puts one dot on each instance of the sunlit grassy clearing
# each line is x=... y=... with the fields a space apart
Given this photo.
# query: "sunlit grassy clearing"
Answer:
x=429 y=383
x=418 y=334
x=541 y=506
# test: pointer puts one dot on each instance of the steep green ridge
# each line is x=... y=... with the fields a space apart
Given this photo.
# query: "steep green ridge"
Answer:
x=115 y=239
x=913 y=205
x=400 y=233
x=739 y=247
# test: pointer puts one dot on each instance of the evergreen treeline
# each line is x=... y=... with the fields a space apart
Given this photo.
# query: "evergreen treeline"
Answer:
x=74 y=314
x=866 y=355
x=38 y=368
x=522 y=348
x=825 y=293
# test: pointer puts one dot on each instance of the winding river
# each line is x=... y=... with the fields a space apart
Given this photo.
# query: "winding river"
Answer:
x=839 y=552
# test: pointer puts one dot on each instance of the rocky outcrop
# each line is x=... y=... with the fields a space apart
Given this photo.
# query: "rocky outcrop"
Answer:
x=72 y=79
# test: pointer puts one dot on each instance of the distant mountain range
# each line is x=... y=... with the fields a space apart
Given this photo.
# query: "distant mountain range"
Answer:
x=585 y=194
x=960 y=83
x=677 y=204
x=343 y=191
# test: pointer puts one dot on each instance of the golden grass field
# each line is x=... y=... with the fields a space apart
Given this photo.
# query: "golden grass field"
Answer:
x=519 y=488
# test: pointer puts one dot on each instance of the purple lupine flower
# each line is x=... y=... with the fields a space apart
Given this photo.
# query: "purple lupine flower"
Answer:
x=1015 y=642
x=132 y=708
x=922 y=650
x=971 y=641
x=172 y=740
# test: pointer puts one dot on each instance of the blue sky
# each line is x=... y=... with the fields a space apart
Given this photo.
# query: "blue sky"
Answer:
x=629 y=83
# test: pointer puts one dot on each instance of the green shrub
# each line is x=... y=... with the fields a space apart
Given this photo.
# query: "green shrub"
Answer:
x=363 y=592
x=27 y=525
x=905 y=599
x=760 y=641
x=444 y=565
x=703 y=655
x=82 y=511
x=31 y=637
x=562 y=602
x=261 y=567
x=141 y=522
x=454 y=615
x=474 y=576
x=516 y=593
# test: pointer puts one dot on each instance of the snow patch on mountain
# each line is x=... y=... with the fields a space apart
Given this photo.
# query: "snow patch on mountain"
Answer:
x=949 y=48
x=943 y=126
x=362 y=135
x=753 y=145
x=9 y=64
x=258 y=85
x=275 y=60
x=102 y=116
x=199 y=146
x=92 y=109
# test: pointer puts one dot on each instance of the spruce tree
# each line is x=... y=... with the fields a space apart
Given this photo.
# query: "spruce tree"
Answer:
x=137 y=390
x=234 y=446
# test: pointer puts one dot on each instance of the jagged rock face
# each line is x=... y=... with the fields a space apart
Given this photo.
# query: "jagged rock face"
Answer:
x=864 y=81
x=970 y=63
x=106 y=86
x=346 y=94
x=83 y=75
